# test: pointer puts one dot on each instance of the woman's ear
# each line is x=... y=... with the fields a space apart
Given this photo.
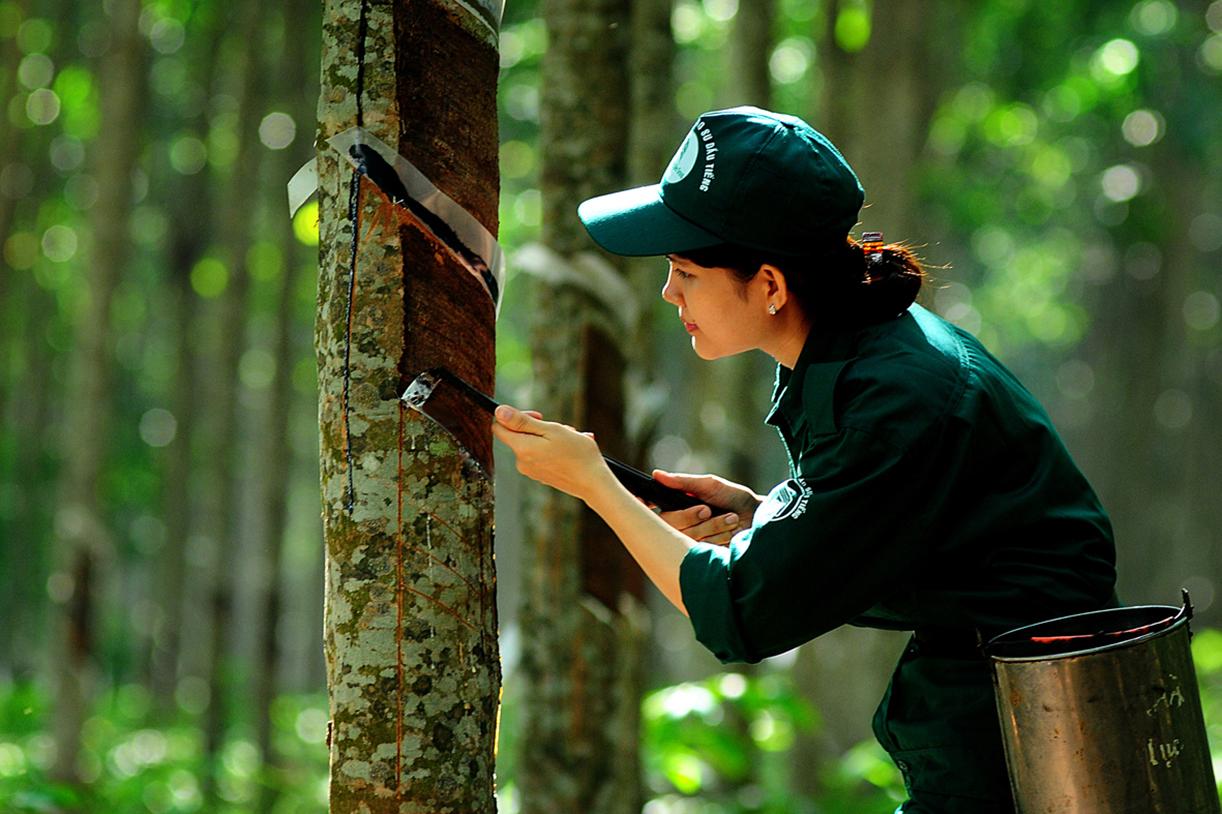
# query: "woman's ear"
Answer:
x=776 y=289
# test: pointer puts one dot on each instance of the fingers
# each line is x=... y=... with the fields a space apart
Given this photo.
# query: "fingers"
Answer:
x=520 y=420
x=699 y=523
x=717 y=529
x=684 y=519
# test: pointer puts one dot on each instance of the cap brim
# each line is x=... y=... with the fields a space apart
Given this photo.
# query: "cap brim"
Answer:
x=636 y=223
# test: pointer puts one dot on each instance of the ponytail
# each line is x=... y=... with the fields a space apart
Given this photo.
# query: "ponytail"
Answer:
x=890 y=278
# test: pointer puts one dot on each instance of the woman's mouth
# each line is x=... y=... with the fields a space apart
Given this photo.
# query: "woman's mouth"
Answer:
x=691 y=327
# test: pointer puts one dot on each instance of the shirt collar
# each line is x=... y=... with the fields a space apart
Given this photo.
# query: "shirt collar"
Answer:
x=822 y=345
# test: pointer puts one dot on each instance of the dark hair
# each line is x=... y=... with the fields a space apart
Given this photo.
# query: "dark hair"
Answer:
x=850 y=285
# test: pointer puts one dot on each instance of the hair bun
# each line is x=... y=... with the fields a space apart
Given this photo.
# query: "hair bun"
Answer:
x=891 y=277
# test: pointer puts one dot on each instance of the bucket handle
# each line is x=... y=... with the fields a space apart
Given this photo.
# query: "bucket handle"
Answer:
x=1185 y=612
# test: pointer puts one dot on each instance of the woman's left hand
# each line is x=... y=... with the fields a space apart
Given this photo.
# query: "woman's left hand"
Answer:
x=553 y=454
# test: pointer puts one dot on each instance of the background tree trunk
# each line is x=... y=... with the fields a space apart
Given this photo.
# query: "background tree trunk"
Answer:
x=410 y=621
x=876 y=106
x=278 y=458
x=234 y=231
x=191 y=229
x=82 y=538
x=582 y=648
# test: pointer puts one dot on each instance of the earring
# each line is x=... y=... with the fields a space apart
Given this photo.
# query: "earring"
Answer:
x=772 y=309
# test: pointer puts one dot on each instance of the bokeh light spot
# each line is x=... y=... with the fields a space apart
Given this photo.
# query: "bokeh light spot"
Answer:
x=1120 y=182
x=1210 y=54
x=1116 y=58
x=21 y=250
x=791 y=60
x=1205 y=231
x=721 y=10
x=1154 y=17
x=517 y=159
x=34 y=36
x=853 y=27
x=188 y=154
x=59 y=243
x=512 y=47
x=158 y=427
x=67 y=153
x=277 y=130
x=35 y=71
x=1213 y=16
x=209 y=277
x=1173 y=409
x=528 y=207
x=1142 y=128
x=42 y=106
x=687 y=22
x=167 y=35
x=1201 y=310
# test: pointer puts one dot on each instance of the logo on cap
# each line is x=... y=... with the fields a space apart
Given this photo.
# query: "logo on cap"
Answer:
x=710 y=155
x=684 y=160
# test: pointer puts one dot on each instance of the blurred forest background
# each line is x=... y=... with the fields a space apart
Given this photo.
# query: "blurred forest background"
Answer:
x=1059 y=165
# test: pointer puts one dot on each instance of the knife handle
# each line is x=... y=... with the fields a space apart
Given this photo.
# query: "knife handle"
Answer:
x=666 y=498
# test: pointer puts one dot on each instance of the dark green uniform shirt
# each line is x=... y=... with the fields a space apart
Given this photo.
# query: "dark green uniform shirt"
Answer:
x=929 y=492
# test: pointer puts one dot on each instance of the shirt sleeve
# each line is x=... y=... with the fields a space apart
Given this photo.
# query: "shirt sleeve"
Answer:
x=823 y=548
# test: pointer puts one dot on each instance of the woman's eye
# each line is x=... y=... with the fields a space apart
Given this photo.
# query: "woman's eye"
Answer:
x=681 y=274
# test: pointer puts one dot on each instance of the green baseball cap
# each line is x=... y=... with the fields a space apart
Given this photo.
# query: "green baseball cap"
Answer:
x=745 y=176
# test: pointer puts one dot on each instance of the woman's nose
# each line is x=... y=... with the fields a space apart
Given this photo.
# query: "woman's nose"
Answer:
x=669 y=293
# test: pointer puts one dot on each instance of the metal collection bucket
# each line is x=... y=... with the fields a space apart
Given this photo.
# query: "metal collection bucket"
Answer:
x=1100 y=714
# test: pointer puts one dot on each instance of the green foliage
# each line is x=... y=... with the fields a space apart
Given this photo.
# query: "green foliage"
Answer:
x=1207 y=656
x=132 y=764
x=726 y=744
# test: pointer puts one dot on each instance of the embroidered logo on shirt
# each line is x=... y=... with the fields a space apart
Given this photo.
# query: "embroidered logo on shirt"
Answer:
x=786 y=500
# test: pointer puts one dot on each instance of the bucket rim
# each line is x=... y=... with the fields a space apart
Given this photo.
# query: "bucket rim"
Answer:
x=1174 y=619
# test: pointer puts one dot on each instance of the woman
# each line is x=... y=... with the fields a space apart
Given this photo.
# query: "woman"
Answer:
x=928 y=490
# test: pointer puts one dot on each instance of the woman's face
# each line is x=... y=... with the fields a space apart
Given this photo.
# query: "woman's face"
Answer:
x=723 y=316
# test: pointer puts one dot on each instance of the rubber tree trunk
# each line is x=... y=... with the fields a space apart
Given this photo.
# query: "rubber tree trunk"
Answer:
x=410 y=623
x=296 y=90
x=654 y=132
x=581 y=615
x=229 y=464
x=82 y=538
x=191 y=231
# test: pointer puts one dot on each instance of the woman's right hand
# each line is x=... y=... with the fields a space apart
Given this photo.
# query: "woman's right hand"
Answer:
x=711 y=522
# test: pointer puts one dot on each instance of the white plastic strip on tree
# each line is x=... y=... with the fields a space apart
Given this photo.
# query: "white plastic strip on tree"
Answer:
x=475 y=239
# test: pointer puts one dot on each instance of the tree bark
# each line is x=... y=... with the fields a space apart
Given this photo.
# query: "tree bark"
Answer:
x=581 y=662
x=82 y=538
x=410 y=620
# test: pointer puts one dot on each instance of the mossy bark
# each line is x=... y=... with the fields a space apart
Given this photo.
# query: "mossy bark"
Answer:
x=410 y=623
